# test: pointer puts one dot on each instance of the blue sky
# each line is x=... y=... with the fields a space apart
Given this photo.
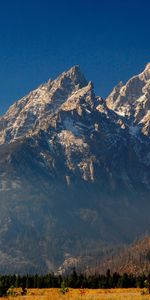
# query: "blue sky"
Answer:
x=39 y=39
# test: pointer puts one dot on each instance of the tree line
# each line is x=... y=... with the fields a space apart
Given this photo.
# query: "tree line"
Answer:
x=74 y=280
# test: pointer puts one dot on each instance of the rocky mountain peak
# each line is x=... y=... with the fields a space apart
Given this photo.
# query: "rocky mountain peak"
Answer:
x=73 y=77
x=39 y=106
x=132 y=100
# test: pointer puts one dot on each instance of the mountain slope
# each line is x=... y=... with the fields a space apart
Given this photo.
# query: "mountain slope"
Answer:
x=72 y=177
x=133 y=259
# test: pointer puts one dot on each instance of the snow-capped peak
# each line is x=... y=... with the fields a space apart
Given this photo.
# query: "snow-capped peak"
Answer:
x=41 y=104
x=133 y=99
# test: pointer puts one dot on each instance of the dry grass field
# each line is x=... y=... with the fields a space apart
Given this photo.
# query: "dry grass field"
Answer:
x=54 y=294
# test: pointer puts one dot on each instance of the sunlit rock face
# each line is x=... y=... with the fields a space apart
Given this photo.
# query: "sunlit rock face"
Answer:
x=132 y=100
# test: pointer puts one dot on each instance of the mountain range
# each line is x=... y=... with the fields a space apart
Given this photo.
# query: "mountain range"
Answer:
x=74 y=172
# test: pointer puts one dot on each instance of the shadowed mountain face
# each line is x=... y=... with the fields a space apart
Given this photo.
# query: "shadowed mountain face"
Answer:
x=74 y=173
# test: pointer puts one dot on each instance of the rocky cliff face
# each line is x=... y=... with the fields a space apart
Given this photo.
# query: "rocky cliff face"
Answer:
x=74 y=171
